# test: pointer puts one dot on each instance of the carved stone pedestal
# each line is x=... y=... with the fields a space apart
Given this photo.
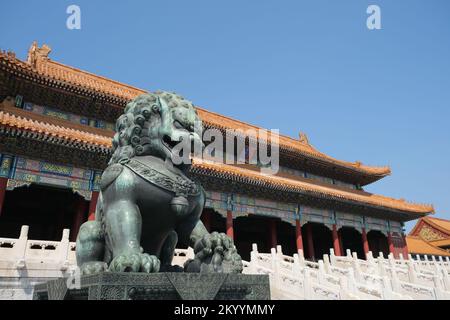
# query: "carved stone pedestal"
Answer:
x=158 y=286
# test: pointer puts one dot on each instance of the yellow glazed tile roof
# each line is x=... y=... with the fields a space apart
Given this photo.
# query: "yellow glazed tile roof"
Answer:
x=440 y=224
x=417 y=245
x=39 y=63
x=441 y=243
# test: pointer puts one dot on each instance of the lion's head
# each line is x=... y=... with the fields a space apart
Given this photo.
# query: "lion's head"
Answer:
x=155 y=124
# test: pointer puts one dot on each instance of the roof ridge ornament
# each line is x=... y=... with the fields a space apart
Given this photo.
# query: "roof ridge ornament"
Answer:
x=36 y=53
x=11 y=54
x=303 y=138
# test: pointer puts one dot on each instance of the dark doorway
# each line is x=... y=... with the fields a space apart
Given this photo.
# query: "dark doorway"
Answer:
x=46 y=210
x=378 y=242
x=217 y=222
x=321 y=237
x=249 y=230
x=286 y=238
x=351 y=239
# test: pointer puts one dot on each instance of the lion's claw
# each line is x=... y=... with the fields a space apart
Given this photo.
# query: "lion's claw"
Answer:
x=215 y=252
x=149 y=263
x=135 y=262
x=93 y=267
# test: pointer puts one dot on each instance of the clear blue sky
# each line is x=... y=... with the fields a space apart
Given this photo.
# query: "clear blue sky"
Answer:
x=381 y=97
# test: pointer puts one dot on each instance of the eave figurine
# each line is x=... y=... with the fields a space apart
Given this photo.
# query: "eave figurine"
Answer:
x=147 y=203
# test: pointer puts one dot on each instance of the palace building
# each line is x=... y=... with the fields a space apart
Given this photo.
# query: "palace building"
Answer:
x=56 y=126
x=430 y=237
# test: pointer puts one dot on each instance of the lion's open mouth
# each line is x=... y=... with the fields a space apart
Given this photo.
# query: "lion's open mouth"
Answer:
x=169 y=143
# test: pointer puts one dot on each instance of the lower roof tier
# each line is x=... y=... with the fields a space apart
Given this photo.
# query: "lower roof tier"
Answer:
x=419 y=246
x=305 y=187
x=17 y=127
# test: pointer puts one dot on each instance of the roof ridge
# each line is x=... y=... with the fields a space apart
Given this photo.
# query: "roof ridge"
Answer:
x=59 y=64
x=436 y=218
x=442 y=229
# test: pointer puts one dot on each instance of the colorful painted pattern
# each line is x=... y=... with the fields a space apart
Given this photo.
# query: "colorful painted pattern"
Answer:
x=396 y=227
x=105 y=125
x=217 y=201
x=19 y=101
x=377 y=224
x=22 y=171
x=95 y=183
x=52 y=112
x=248 y=205
x=26 y=171
x=319 y=178
x=310 y=214
x=52 y=169
x=5 y=165
x=291 y=171
x=299 y=173
x=344 y=184
x=241 y=205
x=349 y=220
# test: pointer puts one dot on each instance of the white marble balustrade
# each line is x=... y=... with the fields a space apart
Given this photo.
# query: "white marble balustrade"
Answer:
x=25 y=262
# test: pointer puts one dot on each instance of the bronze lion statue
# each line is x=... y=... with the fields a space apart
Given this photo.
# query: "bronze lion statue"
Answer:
x=148 y=203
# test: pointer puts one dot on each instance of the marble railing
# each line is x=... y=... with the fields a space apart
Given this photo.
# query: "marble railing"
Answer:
x=36 y=257
x=56 y=256
x=348 y=277
x=25 y=262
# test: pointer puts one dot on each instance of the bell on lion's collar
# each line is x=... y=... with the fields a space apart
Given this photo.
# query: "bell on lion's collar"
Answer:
x=179 y=205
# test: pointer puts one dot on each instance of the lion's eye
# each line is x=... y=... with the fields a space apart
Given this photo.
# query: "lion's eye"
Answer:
x=178 y=124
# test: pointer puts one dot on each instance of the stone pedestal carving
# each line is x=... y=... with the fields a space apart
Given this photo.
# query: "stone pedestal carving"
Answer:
x=159 y=286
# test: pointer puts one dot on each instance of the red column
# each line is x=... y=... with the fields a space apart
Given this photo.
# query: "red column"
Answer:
x=405 y=247
x=309 y=236
x=273 y=233
x=3 y=183
x=336 y=242
x=93 y=205
x=391 y=244
x=365 y=242
x=230 y=231
x=298 y=235
x=78 y=218
x=341 y=244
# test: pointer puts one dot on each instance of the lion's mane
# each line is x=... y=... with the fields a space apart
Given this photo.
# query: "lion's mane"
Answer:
x=137 y=127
